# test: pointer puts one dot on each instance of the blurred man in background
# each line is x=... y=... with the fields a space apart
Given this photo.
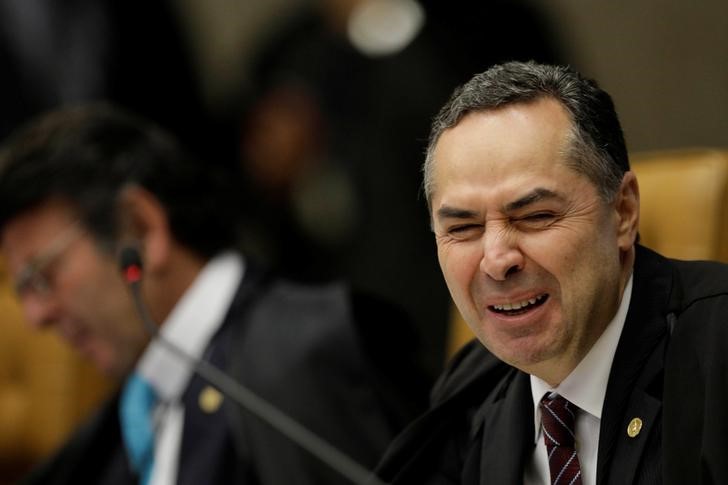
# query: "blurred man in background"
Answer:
x=79 y=186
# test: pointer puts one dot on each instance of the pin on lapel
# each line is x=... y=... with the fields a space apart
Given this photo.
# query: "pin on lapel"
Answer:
x=210 y=399
x=634 y=427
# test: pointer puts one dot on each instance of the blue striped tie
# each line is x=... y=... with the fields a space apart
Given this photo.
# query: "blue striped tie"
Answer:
x=135 y=412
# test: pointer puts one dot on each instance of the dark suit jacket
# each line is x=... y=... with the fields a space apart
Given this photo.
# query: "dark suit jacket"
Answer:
x=480 y=427
x=307 y=350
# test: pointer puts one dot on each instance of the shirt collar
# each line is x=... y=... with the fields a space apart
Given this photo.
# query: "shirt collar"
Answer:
x=191 y=325
x=586 y=385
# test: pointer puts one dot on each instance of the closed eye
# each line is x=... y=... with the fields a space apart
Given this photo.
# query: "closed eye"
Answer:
x=536 y=219
x=538 y=216
x=464 y=230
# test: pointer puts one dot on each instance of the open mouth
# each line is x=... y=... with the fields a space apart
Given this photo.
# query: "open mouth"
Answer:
x=519 y=307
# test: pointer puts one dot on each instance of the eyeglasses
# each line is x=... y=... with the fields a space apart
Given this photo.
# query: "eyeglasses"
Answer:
x=33 y=277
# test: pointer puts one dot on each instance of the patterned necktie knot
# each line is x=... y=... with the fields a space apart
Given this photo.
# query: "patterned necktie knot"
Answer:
x=558 y=417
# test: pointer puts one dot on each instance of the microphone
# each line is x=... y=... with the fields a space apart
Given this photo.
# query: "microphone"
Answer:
x=132 y=270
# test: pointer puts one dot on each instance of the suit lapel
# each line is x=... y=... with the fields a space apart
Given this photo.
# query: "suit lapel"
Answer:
x=634 y=389
x=205 y=455
x=505 y=433
x=206 y=419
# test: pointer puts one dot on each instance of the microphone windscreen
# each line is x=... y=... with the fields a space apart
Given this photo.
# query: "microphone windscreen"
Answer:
x=129 y=256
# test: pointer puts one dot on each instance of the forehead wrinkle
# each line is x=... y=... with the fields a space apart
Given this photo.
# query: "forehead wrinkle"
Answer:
x=536 y=195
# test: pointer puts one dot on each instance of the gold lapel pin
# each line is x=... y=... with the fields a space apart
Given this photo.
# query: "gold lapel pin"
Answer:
x=210 y=399
x=634 y=427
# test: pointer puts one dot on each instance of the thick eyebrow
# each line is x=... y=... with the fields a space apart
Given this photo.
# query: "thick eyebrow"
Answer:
x=532 y=197
x=447 y=212
x=536 y=195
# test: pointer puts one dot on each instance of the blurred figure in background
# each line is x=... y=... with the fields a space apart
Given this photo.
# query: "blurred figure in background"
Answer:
x=80 y=185
x=132 y=53
x=334 y=133
x=58 y=53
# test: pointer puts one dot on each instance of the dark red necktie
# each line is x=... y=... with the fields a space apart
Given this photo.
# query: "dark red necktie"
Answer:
x=557 y=416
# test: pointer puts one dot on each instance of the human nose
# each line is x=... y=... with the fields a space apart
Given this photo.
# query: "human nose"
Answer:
x=501 y=255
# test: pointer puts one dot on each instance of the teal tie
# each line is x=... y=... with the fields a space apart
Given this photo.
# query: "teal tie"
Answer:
x=135 y=412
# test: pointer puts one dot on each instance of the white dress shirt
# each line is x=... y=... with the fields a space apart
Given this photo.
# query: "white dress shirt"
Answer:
x=585 y=387
x=190 y=326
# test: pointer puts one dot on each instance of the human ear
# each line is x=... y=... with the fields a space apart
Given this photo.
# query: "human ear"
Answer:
x=144 y=224
x=627 y=206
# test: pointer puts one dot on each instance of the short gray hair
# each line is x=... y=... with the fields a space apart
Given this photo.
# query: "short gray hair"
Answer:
x=597 y=148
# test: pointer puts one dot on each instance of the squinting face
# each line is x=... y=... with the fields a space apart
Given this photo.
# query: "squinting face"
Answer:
x=534 y=259
x=85 y=300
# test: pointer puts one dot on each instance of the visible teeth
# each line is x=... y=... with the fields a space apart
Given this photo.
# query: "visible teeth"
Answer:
x=518 y=305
